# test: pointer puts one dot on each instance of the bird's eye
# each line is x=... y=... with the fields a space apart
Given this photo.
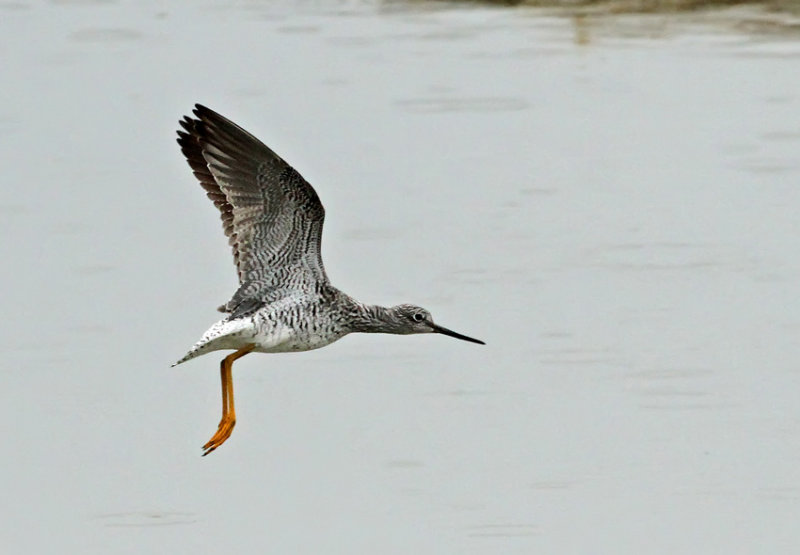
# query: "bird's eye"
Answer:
x=418 y=317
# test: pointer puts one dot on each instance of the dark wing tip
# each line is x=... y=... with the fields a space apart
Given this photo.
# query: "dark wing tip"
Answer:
x=187 y=141
x=187 y=124
x=184 y=138
x=207 y=114
x=187 y=134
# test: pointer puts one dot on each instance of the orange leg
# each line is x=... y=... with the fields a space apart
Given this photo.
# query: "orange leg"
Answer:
x=228 y=421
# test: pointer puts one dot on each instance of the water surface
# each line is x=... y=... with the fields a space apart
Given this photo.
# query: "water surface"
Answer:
x=615 y=213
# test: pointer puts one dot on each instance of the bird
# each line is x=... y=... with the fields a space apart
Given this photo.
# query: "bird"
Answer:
x=273 y=220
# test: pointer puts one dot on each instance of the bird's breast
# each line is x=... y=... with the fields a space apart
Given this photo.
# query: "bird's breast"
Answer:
x=283 y=335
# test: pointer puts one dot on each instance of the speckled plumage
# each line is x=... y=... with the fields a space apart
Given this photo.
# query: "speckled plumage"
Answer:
x=273 y=220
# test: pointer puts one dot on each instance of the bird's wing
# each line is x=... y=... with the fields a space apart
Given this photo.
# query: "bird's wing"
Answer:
x=271 y=215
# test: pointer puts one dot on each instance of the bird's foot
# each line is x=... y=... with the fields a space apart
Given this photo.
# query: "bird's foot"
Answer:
x=224 y=431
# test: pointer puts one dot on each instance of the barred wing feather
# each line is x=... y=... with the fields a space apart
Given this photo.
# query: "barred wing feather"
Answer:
x=272 y=217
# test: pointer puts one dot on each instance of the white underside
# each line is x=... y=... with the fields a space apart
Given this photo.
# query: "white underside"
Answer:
x=242 y=332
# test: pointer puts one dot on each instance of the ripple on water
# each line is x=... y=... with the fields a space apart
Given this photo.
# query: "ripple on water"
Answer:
x=661 y=256
x=105 y=35
x=404 y=464
x=677 y=389
x=502 y=530
x=768 y=165
x=14 y=6
x=146 y=519
x=452 y=104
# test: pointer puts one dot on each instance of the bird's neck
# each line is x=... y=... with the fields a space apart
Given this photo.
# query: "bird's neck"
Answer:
x=374 y=319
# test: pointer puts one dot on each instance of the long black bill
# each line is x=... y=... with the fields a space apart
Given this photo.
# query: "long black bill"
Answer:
x=451 y=333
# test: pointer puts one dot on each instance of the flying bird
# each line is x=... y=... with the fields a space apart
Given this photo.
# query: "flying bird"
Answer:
x=273 y=220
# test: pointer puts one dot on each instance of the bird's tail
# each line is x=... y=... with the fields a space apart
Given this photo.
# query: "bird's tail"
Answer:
x=217 y=337
x=188 y=356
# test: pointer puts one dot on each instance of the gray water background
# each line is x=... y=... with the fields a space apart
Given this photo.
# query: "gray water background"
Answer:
x=613 y=208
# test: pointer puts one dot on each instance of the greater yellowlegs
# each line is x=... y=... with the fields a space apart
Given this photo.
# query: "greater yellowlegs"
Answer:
x=273 y=220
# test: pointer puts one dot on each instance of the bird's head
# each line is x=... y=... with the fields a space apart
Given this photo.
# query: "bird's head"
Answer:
x=410 y=318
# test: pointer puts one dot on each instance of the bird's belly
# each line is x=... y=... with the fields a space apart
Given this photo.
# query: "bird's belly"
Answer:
x=286 y=340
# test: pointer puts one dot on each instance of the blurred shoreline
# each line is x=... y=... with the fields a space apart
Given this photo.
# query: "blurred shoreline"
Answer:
x=780 y=17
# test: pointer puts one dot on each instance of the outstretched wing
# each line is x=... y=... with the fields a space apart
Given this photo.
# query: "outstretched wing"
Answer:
x=271 y=215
